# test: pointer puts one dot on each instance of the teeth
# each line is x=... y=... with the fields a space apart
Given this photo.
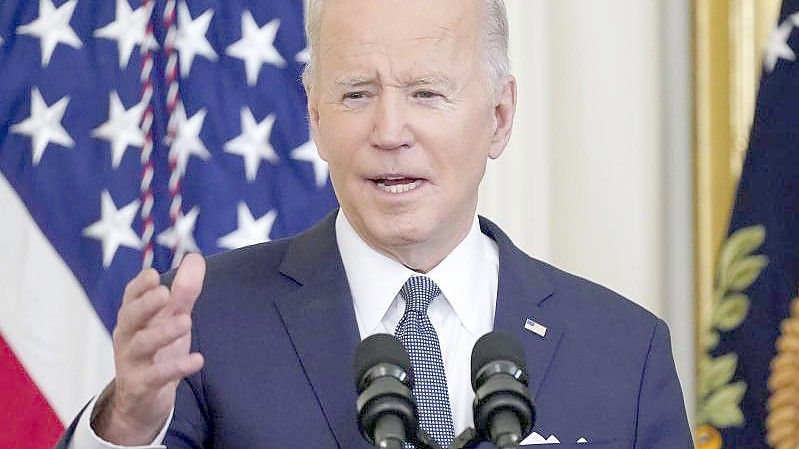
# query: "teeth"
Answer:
x=399 y=188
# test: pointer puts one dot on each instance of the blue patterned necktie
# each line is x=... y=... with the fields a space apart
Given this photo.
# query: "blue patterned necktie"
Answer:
x=416 y=333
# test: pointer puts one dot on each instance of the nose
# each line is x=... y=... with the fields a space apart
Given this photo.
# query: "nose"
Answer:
x=390 y=128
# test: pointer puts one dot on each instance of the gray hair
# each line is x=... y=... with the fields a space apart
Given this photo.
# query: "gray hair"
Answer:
x=495 y=36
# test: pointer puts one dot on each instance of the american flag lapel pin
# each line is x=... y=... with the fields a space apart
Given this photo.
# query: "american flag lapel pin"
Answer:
x=536 y=328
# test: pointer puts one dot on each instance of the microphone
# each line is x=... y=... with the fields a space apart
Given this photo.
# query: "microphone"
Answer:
x=384 y=379
x=503 y=411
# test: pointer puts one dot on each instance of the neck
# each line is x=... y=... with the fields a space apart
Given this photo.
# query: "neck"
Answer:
x=423 y=256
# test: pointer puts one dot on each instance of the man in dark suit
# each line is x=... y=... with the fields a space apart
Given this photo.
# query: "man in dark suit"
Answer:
x=407 y=101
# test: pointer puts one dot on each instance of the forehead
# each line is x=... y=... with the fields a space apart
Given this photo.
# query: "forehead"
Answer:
x=407 y=34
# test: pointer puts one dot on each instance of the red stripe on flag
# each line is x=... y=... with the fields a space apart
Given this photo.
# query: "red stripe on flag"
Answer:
x=26 y=419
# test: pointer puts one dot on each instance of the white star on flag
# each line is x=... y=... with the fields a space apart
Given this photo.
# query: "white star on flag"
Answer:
x=52 y=28
x=307 y=152
x=114 y=228
x=253 y=142
x=180 y=237
x=304 y=56
x=122 y=128
x=250 y=230
x=128 y=29
x=187 y=140
x=44 y=125
x=778 y=47
x=256 y=46
x=105 y=102
x=190 y=39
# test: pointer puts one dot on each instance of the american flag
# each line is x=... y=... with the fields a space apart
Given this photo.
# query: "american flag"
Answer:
x=748 y=385
x=132 y=132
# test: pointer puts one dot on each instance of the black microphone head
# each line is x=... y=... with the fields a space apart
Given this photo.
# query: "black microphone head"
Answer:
x=497 y=346
x=377 y=349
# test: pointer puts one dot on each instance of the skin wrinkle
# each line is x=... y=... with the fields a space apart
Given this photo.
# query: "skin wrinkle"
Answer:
x=431 y=79
x=405 y=101
x=492 y=40
x=439 y=83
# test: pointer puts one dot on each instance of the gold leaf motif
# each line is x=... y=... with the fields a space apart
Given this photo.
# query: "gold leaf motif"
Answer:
x=782 y=423
x=711 y=341
x=703 y=386
x=737 y=268
x=722 y=406
x=731 y=312
x=744 y=272
x=720 y=370
x=728 y=416
x=741 y=243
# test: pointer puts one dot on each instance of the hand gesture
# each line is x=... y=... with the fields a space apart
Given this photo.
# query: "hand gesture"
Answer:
x=151 y=354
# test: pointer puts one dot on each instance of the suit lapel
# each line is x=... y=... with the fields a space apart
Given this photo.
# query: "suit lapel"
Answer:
x=522 y=290
x=320 y=321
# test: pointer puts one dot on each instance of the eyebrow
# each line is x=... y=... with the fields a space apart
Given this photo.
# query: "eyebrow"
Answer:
x=427 y=80
x=432 y=80
x=354 y=81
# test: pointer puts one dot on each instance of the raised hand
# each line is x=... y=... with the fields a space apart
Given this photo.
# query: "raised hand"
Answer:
x=151 y=354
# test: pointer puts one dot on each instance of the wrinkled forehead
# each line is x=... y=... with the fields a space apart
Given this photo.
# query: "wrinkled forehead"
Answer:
x=406 y=34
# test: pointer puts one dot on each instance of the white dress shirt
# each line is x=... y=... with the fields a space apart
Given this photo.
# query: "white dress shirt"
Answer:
x=462 y=313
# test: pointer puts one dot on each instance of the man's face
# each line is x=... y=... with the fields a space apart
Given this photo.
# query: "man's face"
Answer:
x=402 y=110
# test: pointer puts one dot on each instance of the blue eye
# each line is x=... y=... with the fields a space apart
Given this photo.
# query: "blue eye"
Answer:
x=426 y=94
x=355 y=95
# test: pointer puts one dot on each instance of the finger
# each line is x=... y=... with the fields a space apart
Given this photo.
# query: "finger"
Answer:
x=187 y=284
x=145 y=280
x=172 y=370
x=135 y=314
x=148 y=341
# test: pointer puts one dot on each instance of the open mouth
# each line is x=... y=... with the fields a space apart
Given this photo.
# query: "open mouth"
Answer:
x=397 y=185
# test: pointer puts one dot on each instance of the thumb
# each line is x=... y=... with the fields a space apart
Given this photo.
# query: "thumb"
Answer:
x=188 y=284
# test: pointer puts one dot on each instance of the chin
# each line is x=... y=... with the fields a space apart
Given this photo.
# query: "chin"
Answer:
x=403 y=231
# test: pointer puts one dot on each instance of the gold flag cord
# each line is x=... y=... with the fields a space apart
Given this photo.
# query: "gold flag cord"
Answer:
x=782 y=424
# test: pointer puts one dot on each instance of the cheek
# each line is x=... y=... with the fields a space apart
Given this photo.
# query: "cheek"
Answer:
x=337 y=140
x=458 y=150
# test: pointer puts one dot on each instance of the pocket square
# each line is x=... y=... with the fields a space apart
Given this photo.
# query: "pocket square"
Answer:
x=536 y=438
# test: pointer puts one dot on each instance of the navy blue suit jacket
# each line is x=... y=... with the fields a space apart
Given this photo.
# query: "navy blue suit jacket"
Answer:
x=276 y=325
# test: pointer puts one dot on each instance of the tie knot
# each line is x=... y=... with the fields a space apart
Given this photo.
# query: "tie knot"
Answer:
x=419 y=292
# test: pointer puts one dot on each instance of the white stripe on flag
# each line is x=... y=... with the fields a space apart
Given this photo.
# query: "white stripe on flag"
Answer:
x=45 y=315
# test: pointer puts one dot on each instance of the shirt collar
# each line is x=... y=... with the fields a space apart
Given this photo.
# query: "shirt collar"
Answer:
x=462 y=278
x=375 y=279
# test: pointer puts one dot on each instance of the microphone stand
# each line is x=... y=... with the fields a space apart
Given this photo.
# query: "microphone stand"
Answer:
x=468 y=439
x=424 y=441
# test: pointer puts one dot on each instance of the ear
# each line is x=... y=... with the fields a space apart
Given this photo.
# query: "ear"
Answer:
x=313 y=119
x=504 y=111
